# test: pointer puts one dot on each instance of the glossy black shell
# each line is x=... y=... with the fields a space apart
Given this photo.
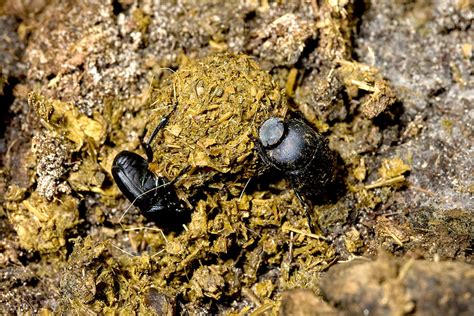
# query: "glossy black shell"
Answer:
x=154 y=196
x=301 y=153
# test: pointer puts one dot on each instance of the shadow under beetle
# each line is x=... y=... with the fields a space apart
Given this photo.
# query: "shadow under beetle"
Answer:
x=154 y=196
x=300 y=153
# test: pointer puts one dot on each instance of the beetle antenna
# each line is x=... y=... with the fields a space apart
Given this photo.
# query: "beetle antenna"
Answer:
x=122 y=250
x=167 y=68
x=148 y=228
x=159 y=252
x=245 y=187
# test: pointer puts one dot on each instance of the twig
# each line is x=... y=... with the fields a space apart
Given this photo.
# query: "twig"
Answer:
x=285 y=228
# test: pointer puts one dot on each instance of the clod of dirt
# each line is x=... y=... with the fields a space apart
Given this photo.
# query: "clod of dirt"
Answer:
x=392 y=286
x=52 y=154
x=362 y=77
x=89 y=273
x=63 y=117
x=22 y=292
x=301 y=302
x=282 y=41
x=160 y=303
x=42 y=225
x=207 y=281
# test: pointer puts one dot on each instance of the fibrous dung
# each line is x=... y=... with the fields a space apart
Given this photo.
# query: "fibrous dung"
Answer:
x=215 y=105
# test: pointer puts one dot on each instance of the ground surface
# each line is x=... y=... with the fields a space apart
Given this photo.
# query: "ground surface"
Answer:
x=389 y=83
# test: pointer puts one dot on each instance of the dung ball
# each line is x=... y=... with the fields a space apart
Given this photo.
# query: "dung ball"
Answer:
x=215 y=104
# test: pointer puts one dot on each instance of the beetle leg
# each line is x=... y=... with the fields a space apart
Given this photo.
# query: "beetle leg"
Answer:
x=308 y=215
x=261 y=154
x=147 y=146
x=180 y=174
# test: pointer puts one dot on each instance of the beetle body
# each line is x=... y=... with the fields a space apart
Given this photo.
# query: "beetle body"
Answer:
x=299 y=152
x=154 y=196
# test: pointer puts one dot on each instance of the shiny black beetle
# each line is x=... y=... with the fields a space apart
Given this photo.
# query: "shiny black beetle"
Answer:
x=300 y=153
x=154 y=196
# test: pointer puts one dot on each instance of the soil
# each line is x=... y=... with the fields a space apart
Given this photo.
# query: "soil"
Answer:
x=388 y=83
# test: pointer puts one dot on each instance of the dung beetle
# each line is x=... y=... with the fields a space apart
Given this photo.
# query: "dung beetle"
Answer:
x=154 y=196
x=300 y=153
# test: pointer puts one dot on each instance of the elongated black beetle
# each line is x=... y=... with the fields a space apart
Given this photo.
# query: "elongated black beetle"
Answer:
x=300 y=153
x=154 y=196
